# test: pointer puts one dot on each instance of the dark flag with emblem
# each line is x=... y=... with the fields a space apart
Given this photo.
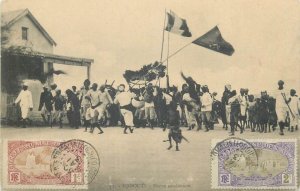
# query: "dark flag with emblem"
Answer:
x=213 y=40
x=177 y=25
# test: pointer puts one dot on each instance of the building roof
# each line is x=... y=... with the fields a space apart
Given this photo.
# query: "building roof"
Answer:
x=54 y=58
x=11 y=17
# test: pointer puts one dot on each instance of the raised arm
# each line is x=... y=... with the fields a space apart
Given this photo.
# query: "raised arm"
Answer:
x=19 y=97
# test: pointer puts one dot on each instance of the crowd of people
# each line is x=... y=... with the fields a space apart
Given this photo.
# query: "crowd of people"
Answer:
x=194 y=107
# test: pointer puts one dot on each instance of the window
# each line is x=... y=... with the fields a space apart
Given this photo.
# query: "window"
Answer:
x=24 y=33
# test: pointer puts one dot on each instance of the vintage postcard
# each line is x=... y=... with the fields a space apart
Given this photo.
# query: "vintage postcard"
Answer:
x=160 y=95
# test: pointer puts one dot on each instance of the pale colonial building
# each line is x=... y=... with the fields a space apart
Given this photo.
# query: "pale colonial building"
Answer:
x=27 y=54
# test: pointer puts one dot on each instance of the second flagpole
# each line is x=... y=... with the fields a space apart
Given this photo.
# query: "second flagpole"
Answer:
x=167 y=76
x=163 y=39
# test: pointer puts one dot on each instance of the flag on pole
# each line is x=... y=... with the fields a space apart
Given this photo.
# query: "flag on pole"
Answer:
x=213 y=40
x=177 y=25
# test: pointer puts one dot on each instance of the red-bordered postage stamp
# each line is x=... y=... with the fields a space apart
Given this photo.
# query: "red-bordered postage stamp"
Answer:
x=44 y=164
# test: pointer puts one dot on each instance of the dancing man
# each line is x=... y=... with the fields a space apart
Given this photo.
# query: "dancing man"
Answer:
x=93 y=112
x=124 y=100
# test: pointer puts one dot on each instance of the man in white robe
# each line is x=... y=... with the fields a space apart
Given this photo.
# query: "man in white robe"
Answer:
x=294 y=105
x=25 y=99
x=282 y=107
x=206 y=108
x=242 y=98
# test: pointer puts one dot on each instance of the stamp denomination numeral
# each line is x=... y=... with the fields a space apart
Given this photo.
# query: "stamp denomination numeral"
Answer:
x=287 y=178
x=76 y=177
x=14 y=177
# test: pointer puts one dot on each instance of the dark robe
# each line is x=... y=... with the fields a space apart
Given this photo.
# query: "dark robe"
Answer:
x=46 y=99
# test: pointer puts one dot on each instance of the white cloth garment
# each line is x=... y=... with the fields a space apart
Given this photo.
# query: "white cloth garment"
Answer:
x=128 y=117
x=82 y=95
x=53 y=93
x=187 y=97
x=167 y=97
x=123 y=99
x=190 y=116
x=25 y=99
x=281 y=106
x=243 y=104
x=206 y=102
x=294 y=105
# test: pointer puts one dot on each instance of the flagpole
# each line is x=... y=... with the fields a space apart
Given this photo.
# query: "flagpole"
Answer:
x=163 y=39
x=168 y=82
x=174 y=53
x=168 y=56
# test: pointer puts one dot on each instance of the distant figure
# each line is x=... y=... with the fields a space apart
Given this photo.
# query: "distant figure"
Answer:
x=139 y=115
x=59 y=103
x=93 y=112
x=216 y=109
x=177 y=97
x=74 y=89
x=247 y=109
x=251 y=113
x=243 y=106
x=234 y=112
x=192 y=87
x=149 y=105
x=161 y=102
x=282 y=105
x=53 y=87
x=74 y=109
x=106 y=102
x=272 y=118
x=225 y=107
x=295 y=106
x=206 y=108
x=191 y=107
x=25 y=99
x=173 y=122
x=263 y=112
x=85 y=103
x=46 y=105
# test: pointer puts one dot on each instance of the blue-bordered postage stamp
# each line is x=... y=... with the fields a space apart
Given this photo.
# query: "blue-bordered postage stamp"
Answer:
x=260 y=164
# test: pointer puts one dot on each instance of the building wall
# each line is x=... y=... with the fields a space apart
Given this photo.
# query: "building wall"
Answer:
x=36 y=40
x=3 y=104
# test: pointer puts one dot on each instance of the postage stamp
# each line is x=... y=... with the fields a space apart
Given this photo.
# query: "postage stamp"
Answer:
x=255 y=164
x=48 y=164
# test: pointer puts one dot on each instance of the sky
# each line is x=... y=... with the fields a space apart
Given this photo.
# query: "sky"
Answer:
x=121 y=35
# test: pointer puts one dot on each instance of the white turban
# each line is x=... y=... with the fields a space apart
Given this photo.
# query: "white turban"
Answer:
x=228 y=86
